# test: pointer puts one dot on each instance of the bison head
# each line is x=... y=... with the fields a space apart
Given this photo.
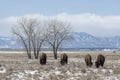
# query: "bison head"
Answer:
x=97 y=64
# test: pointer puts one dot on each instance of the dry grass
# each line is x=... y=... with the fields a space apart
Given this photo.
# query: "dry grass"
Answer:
x=19 y=67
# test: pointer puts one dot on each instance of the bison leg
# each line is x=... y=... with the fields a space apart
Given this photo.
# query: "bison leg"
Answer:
x=90 y=64
x=102 y=63
x=65 y=61
x=41 y=61
x=97 y=64
x=45 y=61
x=62 y=62
x=87 y=63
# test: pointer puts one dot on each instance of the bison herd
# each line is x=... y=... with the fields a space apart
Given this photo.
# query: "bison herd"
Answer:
x=64 y=60
x=99 y=62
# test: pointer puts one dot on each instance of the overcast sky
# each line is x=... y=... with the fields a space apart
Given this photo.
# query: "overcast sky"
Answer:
x=96 y=17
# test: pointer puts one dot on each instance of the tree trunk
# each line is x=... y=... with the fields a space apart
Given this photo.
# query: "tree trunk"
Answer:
x=35 y=53
x=38 y=50
x=29 y=50
x=36 y=57
x=55 y=53
x=29 y=55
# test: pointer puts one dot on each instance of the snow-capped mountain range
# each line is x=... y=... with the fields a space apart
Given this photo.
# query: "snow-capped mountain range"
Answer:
x=81 y=40
x=85 y=40
x=9 y=42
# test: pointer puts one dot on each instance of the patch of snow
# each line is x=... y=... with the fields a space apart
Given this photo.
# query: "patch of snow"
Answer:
x=41 y=78
x=111 y=71
x=106 y=50
x=88 y=72
x=72 y=78
x=118 y=61
x=57 y=72
x=20 y=75
x=110 y=78
x=104 y=70
x=85 y=74
x=94 y=70
x=78 y=74
x=30 y=72
x=45 y=74
x=2 y=70
x=99 y=75
x=68 y=73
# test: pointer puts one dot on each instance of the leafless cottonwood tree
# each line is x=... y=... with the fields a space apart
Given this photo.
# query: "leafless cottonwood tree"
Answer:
x=38 y=39
x=58 y=32
x=30 y=32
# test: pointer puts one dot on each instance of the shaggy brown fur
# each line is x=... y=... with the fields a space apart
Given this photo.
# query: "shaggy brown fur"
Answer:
x=88 y=60
x=43 y=58
x=64 y=59
x=100 y=61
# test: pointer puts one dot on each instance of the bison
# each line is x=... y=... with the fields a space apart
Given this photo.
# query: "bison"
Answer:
x=88 y=60
x=100 y=61
x=64 y=59
x=43 y=58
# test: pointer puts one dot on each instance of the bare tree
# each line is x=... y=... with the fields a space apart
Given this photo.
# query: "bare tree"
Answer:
x=58 y=33
x=29 y=31
x=38 y=39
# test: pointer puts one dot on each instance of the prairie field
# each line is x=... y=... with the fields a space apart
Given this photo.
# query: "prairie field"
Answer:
x=15 y=65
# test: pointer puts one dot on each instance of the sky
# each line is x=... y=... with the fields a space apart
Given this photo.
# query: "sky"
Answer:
x=96 y=17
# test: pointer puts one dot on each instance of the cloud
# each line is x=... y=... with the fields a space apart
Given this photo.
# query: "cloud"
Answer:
x=97 y=25
x=94 y=24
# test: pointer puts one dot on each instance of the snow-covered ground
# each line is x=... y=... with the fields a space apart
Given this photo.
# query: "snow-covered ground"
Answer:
x=51 y=71
x=18 y=67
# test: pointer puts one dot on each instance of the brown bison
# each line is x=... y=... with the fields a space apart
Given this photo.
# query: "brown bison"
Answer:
x=43 y=58
x=88 y=60
x=64 y=59
x=100 y=61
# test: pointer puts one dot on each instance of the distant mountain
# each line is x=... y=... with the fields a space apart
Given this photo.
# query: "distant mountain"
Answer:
x=85 y=40
x=9 y=42
x=81 y=40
